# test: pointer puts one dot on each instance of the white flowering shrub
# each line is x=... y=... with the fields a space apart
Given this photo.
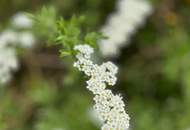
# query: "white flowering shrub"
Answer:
x=10 y=39
x=109 y=107
x=122 y=24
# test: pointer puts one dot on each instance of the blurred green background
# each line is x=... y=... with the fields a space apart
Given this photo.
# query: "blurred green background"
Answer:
x=46 y=93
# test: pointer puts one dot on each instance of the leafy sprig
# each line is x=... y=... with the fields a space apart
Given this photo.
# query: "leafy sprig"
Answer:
x=44 y=22
x=60 y=31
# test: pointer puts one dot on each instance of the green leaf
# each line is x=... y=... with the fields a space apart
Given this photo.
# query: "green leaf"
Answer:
x=44 y=22
x=93 y=37
x=66 y=33
x=64 y=53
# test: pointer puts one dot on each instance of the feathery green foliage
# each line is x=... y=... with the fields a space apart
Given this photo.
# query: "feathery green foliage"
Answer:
x=66 y=33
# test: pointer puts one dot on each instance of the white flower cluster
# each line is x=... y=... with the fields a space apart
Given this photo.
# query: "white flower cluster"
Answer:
x=9 y=39
x=122 y=24
x=8 y=62
x=25 y=38
x=109 y=107
x=20 y=20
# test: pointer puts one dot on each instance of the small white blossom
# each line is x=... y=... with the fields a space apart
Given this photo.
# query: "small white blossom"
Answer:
x=21 y=20
x=122 y=24
x=9 y=39
x=8 y=63
x=109 y=107
x=95 y=86
x=13 y=38
x=85 y=50
x=26 y=39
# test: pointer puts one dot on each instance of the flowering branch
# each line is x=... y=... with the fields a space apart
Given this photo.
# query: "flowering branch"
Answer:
x=110 y=107
x=122 y=24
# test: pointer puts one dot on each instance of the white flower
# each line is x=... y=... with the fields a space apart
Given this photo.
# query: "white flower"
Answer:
x=8 y=37
x=95 y=86
x=109 y=107
x=8 y=63
x=8 y=59
x=121 y=25
x=21 y=20
x=13 y=38
x=84 y=50
x=26 y=39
